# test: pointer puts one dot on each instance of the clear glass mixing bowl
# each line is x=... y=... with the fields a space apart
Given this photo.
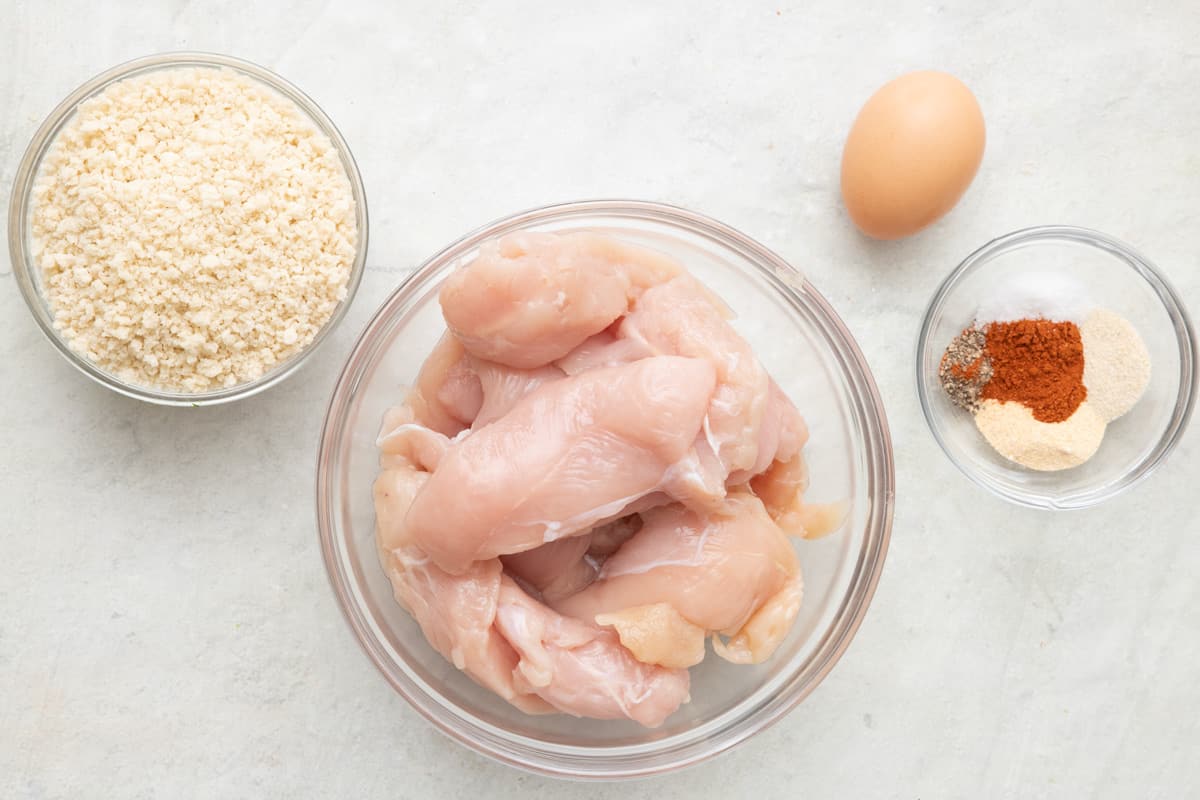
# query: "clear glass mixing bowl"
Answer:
x=814 y=358
x=29 y=274
x=1115 y=277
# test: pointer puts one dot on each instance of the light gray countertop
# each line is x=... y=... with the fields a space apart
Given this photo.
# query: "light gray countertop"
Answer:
x=166 y=628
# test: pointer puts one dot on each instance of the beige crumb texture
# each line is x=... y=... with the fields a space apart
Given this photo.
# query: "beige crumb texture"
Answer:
x=1046 y=446
x=1116 y=364
x=194 y=229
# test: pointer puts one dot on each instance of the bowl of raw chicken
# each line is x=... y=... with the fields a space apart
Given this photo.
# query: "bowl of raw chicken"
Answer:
x=604 y=489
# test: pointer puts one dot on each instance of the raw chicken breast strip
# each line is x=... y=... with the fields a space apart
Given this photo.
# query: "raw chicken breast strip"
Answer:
x=606 y=539
x=581 y=668
x=503 y=386
x=781 y=486
x=530 y=298
x=570 y=455
x=563 y=567
x=781 y=437
x=455 y=612
x=608 y=428
x=485 y=625
x=717 y=570
x=679 y=318
x=455 y=390
x=447 y=394
x=603 y=350
x=557 y=569
x=750 y=423
x=758 y=639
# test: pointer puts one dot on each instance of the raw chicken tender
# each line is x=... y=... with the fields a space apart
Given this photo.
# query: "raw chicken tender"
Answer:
x=456 y=391
x=530 y=298
x=503 y=387
x=604 y=540
x=557 y=569
x=679 y=318
x=581 y=668
x=456 y=612
x=717 y=570
x=604 y=349
x=447 y=395
x=657 y=634
x=780 y=438
x=505 y=640
x=758 y=639
x=407 y=445
x=593 y=475
x=682 y=317
x=750 y=421
x=568 y=456
x=781 y=488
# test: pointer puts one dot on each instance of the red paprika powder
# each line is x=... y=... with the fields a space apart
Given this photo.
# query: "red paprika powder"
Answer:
x=1037 y=363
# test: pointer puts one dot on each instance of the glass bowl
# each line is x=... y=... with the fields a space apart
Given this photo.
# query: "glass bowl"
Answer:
x=1117 y=278
x=29 y=274
x=816 y=361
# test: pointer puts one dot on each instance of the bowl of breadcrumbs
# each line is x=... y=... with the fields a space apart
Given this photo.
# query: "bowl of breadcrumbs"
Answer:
x=187 y=228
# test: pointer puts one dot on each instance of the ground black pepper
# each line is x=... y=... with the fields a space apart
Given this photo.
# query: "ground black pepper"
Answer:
x=965 y=368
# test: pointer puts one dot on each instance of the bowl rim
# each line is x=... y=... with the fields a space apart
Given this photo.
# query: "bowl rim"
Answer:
x=1185 y=337
x=588 y=763
x=20 y=198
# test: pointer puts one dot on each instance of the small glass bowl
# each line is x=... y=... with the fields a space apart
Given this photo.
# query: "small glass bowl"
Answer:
x=814 y=359
x=29 y=274
x=1117 y=278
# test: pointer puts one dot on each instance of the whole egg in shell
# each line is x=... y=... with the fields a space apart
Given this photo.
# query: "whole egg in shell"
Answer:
x=911 y=154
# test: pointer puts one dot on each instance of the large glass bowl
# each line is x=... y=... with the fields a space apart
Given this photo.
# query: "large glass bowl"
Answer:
x=1116 y=277
x=29 y=274
x=807 y=349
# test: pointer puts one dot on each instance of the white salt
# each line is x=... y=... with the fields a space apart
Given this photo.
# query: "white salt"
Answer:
x=1036 y=295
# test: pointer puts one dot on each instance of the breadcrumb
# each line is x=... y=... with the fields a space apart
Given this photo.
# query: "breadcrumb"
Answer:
x=194 y=229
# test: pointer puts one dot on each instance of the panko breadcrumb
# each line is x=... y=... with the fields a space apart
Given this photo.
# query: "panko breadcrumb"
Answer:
x=194 y=228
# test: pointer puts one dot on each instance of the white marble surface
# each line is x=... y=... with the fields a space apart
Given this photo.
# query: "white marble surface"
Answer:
x=166 y=629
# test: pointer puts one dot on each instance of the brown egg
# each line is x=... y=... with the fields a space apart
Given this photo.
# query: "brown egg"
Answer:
x=912 y=152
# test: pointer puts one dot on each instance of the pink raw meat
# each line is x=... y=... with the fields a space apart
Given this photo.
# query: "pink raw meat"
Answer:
x=581 y=668
x=503 y=386
x=447 y=394
x=750 y=423
x=679 y=318
x=592 y=474
x=456 y=612
x=567 y=457
x=530 y=298
x=557 y=569
x=506 y=641
x=604 y=540
x=781 y=436
x=604 y=349
x=717 y=570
